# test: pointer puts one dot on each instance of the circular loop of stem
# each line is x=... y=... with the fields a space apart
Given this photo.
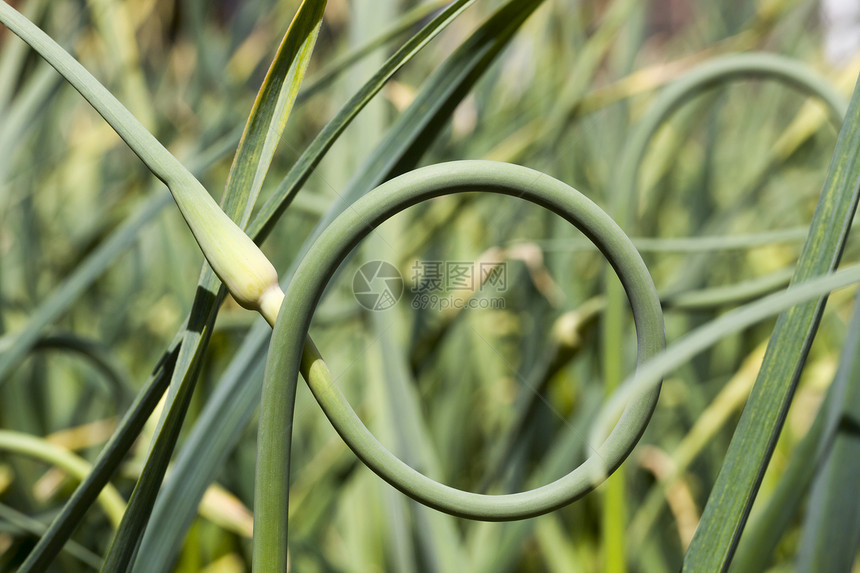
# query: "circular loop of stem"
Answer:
x=321 y=262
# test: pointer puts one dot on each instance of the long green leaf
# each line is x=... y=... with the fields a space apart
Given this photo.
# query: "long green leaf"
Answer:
x=767 y=527
x=335 y=68
x=239 y=391
x=270 y=112
x=52 y=308
x=728 y=507
x=452 y=75
x=35 y=527
x=831 y=532
x=126 y=540
x=251 y=163
x=109 y=459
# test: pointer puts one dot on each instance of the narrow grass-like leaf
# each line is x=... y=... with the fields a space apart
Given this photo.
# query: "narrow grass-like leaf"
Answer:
x=725 y=515
x=831 y=531
x=334 y=69
x=35 y=527
x=431 y=97
x=213 y=437
x=767 y=527
x=270 y=112
x=251 y=163
x=809 y=459
x=108 y=461
x=126 y=541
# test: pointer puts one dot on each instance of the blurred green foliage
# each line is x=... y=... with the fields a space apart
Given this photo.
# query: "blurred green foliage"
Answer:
x=491 y=399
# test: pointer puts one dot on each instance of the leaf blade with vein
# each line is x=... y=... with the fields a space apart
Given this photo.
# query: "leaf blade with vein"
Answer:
x=725 y=515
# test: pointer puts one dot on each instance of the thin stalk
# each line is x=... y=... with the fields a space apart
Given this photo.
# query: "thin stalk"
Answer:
x=40 y=449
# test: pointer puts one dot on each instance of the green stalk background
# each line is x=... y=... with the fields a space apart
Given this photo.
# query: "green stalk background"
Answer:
x=715 y=137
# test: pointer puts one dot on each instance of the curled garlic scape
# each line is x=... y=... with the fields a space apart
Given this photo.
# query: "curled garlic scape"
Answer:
x=235 y=258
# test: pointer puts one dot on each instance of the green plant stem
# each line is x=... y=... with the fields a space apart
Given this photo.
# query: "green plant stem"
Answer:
x=290 y=352
x=234 y=257
x=40 y=449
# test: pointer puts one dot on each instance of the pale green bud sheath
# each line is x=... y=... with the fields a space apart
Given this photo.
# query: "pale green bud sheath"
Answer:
x=235 y=258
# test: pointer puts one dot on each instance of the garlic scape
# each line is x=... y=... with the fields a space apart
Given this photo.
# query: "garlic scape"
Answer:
x=235 y=258
x=240 y=264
